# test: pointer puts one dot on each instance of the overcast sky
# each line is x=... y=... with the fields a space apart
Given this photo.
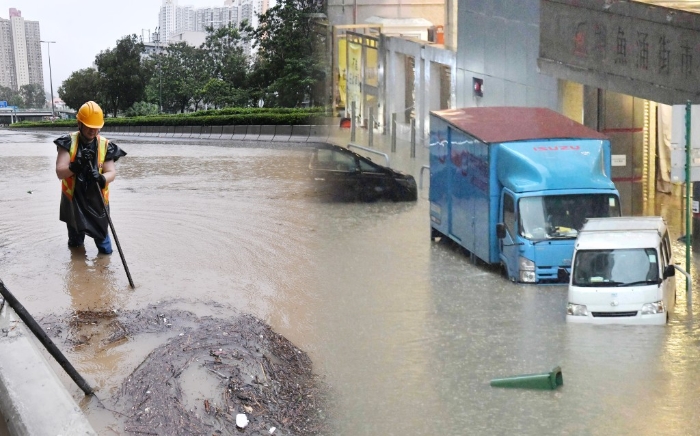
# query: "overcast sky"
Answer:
x=82 y=28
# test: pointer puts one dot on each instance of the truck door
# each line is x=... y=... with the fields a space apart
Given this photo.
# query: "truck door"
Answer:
x=507 y=246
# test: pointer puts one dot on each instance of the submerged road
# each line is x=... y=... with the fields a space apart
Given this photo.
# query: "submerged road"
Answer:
x=406 y=332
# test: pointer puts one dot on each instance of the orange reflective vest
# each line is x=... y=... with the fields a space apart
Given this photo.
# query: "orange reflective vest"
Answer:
x=68 y=184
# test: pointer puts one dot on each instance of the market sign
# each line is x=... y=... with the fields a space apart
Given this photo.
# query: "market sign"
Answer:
x=633 y=48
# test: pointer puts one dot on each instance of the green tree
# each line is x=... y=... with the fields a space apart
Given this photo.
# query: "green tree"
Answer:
x=142 y=108
x=180 y=77
x=11 y=96
x=124 y=77
x=33 y=95
x=288 y=68
x=227 y=67
x=15 y=100
x=221 y=93
x=81 y=86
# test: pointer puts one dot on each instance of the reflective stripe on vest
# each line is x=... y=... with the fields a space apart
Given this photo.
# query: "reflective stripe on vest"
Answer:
x=68 y=184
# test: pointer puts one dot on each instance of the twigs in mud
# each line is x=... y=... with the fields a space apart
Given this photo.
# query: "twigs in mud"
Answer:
x=259 y=373
x=134 y=430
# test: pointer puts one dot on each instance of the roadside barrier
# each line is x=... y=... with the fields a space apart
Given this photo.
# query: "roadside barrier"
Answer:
x=268 y=133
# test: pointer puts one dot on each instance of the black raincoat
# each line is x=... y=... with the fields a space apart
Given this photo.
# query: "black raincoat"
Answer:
x=86 y=212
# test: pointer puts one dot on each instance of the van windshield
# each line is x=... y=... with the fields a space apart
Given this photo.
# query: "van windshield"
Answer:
x=562 y=216
x=627 y=267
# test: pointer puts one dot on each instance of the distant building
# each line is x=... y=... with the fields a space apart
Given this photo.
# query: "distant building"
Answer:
x=20 y=52
x=195 y=39
x=216 y=18
x=58 y=104
x=174 y=19
x=177 y=23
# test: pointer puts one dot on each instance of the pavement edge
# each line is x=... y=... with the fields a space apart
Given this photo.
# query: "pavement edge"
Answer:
x=33 y=400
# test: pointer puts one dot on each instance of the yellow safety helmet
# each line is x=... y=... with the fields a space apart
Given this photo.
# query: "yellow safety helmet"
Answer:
x=90 y=114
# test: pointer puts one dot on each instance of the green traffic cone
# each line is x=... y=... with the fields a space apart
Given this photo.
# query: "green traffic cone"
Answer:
x=549 y=380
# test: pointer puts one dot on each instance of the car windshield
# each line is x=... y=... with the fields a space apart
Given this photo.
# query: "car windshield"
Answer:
x=562 y=216
x=626 y=267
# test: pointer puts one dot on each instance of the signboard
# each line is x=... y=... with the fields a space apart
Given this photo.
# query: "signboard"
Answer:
x=627 y=47
x=3 y=103
x=678 y=144
x=342 y=69
x=354 y=66
x=619 y=160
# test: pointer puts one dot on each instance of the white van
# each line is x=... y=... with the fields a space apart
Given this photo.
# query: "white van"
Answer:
x=622 y=272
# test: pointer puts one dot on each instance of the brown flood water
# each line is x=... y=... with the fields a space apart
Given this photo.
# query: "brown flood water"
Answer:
x=407 y=333
x=200 y=223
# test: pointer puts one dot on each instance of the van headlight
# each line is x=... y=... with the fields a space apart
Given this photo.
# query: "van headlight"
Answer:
x=652 y=308
x=576 y=309
x=527 y=270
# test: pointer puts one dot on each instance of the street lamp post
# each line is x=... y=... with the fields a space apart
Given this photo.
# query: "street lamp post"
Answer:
x=48 y=48
x=160 y=80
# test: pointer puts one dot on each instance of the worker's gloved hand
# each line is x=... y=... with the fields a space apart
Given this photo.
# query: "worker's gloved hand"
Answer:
x=76 y=167
x=99 y=178
x=87 y=156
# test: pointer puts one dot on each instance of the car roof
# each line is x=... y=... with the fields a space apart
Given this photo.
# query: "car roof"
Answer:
x=625 y=223
x=621 y=233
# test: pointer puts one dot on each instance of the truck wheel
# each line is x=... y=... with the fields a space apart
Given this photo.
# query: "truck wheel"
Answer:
x=505 y=273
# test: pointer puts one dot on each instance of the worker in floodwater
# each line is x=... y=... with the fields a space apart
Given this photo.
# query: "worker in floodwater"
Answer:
x=86 y=166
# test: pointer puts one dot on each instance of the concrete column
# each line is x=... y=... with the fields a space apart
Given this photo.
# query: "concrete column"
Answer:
x=382 y=114
x=420 y=91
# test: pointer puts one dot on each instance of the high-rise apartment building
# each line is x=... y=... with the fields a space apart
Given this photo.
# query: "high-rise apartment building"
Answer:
x=20 y=52
x=247 y=11
x=174 y=19
x=216 y=17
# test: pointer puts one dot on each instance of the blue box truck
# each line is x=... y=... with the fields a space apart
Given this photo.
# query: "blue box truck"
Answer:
x=513 y=186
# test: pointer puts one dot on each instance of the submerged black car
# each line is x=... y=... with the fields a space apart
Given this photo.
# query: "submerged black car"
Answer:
x=340 y=174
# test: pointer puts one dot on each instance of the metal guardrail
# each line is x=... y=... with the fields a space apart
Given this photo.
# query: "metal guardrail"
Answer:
x=689 y=287
x=420 y=178
x=369 y=150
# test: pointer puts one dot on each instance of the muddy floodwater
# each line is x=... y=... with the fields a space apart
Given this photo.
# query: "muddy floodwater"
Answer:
x=404 y=332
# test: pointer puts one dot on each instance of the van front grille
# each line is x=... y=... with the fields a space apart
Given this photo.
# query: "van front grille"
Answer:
x=613 y=314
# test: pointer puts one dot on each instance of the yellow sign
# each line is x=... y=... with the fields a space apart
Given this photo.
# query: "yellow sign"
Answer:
x=342 y=69
x=371 y=76
x=354 y=69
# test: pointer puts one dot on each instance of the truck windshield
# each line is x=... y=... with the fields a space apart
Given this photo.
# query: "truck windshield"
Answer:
x=562 y=216
x=626 y=267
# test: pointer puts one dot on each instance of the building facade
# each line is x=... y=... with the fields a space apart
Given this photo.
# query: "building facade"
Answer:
x=215 y=18
x=20 y=52
x=176 y=20
x=619 y=67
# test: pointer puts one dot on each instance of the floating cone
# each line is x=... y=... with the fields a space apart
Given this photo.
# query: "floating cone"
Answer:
x=550 y=380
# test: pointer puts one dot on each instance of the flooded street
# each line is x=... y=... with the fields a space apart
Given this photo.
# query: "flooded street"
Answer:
x=407 y=333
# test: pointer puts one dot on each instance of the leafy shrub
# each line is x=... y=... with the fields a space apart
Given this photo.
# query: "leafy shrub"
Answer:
x=219 y=117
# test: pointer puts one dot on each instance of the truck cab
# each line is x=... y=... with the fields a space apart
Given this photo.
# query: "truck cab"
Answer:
x=622 y=272
x=537 y=230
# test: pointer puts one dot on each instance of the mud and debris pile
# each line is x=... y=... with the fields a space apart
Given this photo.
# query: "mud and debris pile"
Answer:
x=251 y=370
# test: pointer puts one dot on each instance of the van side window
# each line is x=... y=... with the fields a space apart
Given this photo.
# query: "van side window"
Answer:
x=666 y=242
x=509 y=213
x=664 y=256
